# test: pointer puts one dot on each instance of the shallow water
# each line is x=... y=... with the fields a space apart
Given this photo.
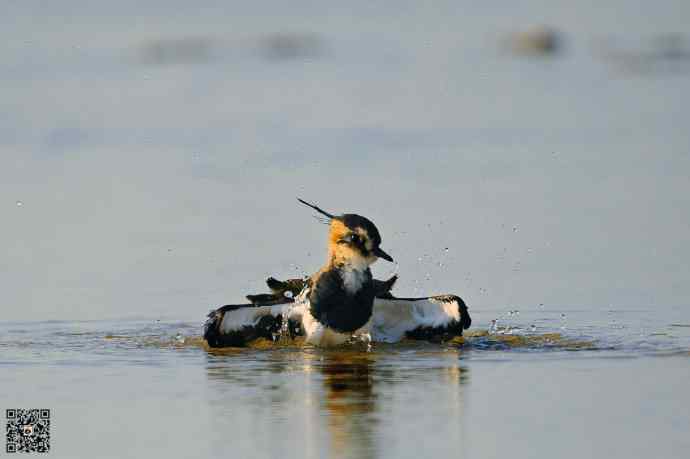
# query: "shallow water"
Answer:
x=150 y=156
x=540 y=385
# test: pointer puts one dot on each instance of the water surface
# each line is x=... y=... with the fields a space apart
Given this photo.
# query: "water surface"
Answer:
x=544 y=382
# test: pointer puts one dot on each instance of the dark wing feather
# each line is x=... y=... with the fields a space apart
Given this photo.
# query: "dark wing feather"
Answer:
x=230 y=325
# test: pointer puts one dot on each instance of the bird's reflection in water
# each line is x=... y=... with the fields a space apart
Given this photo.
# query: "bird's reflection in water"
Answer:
x=350 y=402
x=338 y=403
x=362 y=391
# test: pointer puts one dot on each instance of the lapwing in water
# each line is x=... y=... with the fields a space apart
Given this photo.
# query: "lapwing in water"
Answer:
x=341 y=302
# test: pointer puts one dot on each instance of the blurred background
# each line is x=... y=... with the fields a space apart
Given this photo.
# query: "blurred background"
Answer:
x=515 y=153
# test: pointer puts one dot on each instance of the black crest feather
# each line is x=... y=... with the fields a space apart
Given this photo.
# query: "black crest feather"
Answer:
x=316 y=208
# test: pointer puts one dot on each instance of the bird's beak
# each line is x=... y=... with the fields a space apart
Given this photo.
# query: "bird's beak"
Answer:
x=381 y=254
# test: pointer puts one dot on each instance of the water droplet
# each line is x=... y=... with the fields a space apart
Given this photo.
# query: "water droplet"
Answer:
x=533 y=328
x=562 y=315
x=493 y=327
x=515 y=229
x=179 y=338
x=446 y=250
x=19 y=203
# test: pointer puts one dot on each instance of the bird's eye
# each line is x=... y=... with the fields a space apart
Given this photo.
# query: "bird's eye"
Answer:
x=354 y=237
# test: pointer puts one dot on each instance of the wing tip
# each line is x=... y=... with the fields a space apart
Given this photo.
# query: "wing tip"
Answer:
x=465 y=318
x=212 y=333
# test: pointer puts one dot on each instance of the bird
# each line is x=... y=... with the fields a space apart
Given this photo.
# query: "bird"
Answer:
x=341 y=302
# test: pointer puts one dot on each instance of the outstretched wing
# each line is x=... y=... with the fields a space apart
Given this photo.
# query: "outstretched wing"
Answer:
x=429 y=318
x=238 y=324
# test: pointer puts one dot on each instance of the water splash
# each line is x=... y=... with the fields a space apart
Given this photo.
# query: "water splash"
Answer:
x=493 y=327
x=284 y=336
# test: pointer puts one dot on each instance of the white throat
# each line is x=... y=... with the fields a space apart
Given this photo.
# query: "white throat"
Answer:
x=354 y=274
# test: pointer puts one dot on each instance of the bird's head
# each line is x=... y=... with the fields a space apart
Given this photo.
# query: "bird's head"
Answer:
x=352 y=239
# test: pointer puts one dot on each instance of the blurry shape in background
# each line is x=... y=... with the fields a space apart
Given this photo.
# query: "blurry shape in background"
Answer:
x=534 y=41
x=178 y=50
x=194 y=50
x=290 y=46
x=665 y=53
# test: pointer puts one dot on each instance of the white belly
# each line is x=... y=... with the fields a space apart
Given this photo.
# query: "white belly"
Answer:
x=318 y=334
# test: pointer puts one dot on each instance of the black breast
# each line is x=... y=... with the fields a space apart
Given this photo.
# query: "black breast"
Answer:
x=332 y=306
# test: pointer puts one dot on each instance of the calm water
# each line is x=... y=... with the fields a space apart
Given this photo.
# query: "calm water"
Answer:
x=585 y=384
x=150 y=156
